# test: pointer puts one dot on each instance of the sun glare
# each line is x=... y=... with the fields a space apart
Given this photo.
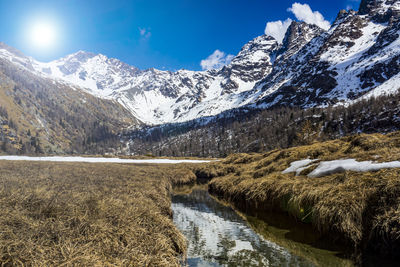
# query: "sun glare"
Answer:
x=43 y=35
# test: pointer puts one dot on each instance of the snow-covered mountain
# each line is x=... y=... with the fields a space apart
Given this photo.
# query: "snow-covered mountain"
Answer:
x=154 y=96
x=358 y=56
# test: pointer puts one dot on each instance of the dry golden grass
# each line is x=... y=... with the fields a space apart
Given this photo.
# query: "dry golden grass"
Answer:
x=80 y=214
x=360 y=209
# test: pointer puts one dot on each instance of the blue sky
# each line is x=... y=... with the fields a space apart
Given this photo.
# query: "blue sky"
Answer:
x=165 y=34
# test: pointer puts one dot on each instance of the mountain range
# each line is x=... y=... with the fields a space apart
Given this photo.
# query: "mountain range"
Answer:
x=358 y=57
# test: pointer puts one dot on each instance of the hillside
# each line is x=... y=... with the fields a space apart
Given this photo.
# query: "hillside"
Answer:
x=39 y=115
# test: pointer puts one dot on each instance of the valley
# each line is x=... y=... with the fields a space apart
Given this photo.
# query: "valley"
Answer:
x=285 y=154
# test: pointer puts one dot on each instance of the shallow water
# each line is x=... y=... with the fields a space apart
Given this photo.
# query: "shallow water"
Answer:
x=218 y=236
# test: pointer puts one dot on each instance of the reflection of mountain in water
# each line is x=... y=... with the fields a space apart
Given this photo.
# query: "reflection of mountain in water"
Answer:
x=218 y=236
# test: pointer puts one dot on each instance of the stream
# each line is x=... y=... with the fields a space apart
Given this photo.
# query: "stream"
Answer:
x=219 y=236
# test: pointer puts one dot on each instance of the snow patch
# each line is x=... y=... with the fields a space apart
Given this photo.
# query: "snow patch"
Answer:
x=100 y=160
x=240 y=246
x=337 y=166
x=298 y=166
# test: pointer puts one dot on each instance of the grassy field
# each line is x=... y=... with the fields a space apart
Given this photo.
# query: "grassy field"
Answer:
x=360 y=210
x=80 y=214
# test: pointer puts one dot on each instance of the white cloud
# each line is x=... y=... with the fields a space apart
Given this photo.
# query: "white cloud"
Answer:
x=145 y=33
x=216 y=60
x=277 y=29
x=305 y=13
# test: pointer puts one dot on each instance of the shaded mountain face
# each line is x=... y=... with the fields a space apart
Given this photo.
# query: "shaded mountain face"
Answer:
x=357 y=57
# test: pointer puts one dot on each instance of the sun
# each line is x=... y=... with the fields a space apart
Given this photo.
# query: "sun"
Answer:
x=43 y=35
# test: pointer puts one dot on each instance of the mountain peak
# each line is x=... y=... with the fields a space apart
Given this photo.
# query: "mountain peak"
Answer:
x=257 y=43
x=259 y=48
x=297 y=35
x=295 y=31
x=254 y=59
x=81 y=56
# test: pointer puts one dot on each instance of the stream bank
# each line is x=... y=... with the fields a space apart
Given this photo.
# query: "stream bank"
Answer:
x=217 y=235
x=356 y=209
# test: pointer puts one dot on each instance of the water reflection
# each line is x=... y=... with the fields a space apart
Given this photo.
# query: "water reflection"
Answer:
x=218 y=236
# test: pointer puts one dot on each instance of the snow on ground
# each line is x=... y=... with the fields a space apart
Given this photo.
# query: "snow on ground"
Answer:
x=298 y=166
x=100 y=160
x=240 y=245
x=336 y=166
